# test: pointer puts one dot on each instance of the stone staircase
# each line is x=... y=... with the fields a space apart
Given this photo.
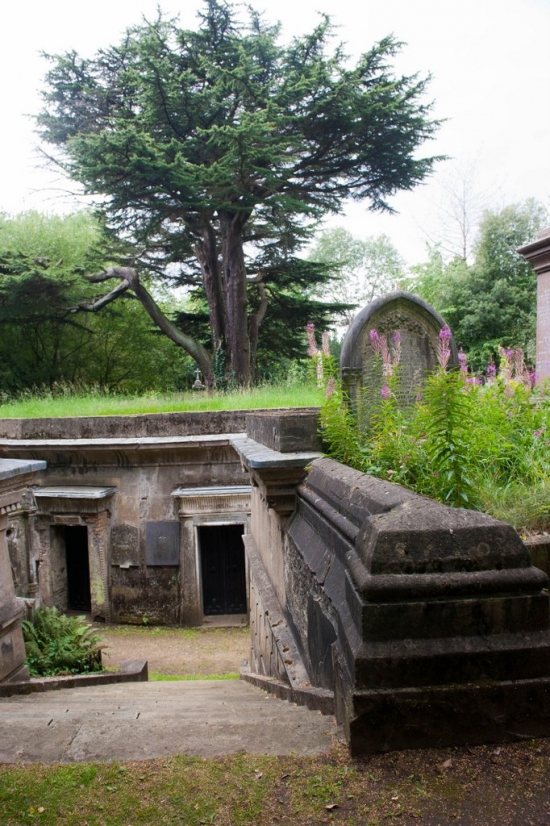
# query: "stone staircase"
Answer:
x=138 y=721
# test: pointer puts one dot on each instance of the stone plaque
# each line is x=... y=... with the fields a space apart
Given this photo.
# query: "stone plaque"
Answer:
x=418 y=326
x=125 y=545
x=162 y=543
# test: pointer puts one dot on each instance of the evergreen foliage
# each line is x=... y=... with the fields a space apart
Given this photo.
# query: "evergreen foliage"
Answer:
x=217 y=150
x=43 y=342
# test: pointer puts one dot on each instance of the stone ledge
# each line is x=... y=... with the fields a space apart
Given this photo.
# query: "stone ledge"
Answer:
x=539 y=550
x=316 y=699
x=438 y=716
x=131 y=671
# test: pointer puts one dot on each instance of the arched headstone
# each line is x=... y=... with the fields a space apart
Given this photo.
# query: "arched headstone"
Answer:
x=418 y=326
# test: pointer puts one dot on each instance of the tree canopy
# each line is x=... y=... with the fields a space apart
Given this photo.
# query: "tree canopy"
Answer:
x=365 y=267
x=43 y=342
x=215 y=151
x=491 y=303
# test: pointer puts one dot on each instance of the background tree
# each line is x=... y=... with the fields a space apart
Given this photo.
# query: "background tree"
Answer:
x=43 y=342
x=491 y=303
x=215 y=150
x=366 y=268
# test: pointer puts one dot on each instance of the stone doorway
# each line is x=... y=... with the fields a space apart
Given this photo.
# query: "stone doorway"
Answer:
x=213 y=519
x=78 y=567
x=222 y=569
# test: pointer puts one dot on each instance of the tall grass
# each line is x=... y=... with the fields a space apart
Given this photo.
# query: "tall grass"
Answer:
x=68 y=401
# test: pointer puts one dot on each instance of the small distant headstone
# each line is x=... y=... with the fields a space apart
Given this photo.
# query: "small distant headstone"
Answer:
x=406 y=323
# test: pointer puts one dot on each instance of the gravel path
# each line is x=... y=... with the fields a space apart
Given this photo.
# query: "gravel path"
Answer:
x=177 y=651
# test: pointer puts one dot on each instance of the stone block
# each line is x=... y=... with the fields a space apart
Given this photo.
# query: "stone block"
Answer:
x=288 y=431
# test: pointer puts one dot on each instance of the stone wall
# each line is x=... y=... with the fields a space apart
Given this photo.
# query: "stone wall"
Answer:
x=140 y=476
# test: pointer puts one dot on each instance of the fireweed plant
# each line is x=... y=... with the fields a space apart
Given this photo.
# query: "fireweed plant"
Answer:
x=468 y=441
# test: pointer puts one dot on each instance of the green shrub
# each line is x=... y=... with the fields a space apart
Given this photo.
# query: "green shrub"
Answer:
x=60 y=645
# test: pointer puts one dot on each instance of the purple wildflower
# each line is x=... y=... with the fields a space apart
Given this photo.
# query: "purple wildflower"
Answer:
x=330 y=388
x=312 y=349
x=463 y=361
x=443 y=349
x=385 y=393
x=326 y=348
x=532 y=378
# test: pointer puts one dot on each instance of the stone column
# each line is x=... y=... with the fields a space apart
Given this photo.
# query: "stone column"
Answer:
x=15 y=476
x=538 y=254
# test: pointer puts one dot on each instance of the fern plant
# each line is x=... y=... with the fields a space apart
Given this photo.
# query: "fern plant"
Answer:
x=57 y=644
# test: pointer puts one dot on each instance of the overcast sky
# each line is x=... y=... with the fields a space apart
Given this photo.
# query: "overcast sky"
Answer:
x=488 y=59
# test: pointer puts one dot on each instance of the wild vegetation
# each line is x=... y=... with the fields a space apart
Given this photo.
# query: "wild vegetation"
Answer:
x=468 y=442
x=57 y=644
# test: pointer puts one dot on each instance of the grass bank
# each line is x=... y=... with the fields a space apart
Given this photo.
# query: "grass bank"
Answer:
x=98 y=403
x=505 y=785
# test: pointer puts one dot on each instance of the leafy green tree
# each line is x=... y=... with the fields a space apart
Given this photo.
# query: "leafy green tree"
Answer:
x=217 y=150
x=43 y=342
x=491 y=303
x=366 y=268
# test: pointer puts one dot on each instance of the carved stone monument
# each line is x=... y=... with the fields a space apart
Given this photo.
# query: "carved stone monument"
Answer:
x=538 y=254
x=15 y=476
x=418 y=326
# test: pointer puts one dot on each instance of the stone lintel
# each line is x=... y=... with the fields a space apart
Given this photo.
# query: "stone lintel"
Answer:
x=10 y=468
x=73 y=492
x=73 y=498
x=219 y=499
x=275 y=474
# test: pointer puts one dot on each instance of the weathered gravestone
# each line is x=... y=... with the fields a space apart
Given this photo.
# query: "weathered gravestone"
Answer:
x=418 y=327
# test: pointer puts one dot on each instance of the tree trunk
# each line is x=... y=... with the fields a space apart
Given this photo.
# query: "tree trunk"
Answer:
x=207 y=255
x=234 y=282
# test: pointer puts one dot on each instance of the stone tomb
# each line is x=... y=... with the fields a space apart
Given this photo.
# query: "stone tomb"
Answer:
x=418 y=325
x=15 y=476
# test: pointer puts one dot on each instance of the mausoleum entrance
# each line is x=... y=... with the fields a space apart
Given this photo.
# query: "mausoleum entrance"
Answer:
x=222 y=569
x=213 y=521
x=72 y=540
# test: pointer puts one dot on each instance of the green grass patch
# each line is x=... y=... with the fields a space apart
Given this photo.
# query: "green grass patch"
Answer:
x=98 y=403
x=432 y=786
x=153 y=631
x=157 y=676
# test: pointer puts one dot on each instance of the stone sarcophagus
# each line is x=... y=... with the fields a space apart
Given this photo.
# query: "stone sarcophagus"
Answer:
x=429 y=623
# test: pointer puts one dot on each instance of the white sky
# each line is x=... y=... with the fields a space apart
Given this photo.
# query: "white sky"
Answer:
x=489 y=61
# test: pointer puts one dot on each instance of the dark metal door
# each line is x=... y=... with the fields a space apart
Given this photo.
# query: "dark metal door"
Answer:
x=222 y=569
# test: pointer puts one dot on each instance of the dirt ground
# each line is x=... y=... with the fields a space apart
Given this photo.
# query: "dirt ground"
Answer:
x=177 y=651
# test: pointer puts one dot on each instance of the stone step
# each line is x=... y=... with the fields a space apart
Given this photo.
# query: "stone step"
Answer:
x=145 y=720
